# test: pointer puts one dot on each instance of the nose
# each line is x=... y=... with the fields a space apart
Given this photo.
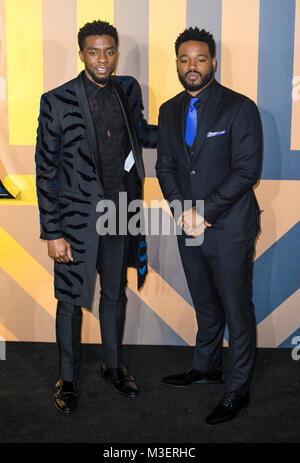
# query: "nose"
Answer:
x=193 y=64
x=101 y=57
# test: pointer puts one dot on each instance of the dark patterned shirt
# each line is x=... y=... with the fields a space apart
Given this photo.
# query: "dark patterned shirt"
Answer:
x=112 y=136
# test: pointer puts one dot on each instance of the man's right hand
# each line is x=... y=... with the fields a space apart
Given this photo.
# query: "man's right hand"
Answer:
x=60 y=250
x=192 y=223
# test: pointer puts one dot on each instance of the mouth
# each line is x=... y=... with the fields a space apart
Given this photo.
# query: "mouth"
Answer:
x=102 y=70
x=192 y=75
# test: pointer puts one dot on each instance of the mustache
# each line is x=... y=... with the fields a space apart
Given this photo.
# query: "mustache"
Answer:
x=193 y=72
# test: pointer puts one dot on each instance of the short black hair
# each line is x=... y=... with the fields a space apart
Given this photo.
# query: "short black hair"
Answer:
x=97 y=28
x=194 y=33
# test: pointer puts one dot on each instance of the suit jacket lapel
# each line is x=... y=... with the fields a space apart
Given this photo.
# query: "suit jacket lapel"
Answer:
x=130 y=127
x=87 y=116
x=179 y=115
x=212 y=107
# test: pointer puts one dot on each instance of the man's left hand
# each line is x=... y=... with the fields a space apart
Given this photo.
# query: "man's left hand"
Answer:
x=192 y=223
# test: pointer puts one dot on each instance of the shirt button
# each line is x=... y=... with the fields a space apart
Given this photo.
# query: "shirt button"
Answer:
x=193 y=172
x=192 y=152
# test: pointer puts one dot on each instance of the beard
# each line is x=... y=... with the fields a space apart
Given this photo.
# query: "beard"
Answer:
x=98 y=80
x=206 y=78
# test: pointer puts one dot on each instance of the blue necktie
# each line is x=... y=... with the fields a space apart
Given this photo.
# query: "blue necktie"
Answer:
x=191 y=122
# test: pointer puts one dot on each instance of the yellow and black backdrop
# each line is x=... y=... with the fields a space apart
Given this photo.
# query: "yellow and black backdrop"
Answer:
x=258 y=44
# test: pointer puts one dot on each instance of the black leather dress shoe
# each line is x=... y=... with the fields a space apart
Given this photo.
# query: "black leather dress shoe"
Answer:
x=228 y=408
x=195 y=376
x=65 y=397
x=123 y=382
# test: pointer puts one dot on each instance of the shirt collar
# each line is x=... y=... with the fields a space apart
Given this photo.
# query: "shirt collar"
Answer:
x=203 y=95
x=91 y=87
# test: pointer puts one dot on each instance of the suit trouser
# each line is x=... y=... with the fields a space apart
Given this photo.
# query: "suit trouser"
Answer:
x=219 y=275
x=112 y=267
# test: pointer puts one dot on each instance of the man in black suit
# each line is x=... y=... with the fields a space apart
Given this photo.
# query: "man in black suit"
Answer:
x=89 y=148
x=210 y=148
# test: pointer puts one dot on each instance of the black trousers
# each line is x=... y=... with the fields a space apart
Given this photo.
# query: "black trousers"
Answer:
x=112 y=267
x=219 y=275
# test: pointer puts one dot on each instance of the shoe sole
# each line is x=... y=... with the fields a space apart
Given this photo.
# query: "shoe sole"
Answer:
x=194 y=382
x=125 y=395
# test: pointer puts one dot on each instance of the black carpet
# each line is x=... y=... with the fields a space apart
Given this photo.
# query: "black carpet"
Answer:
x=160 y=414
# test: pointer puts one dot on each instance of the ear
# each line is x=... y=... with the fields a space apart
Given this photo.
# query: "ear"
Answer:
x=214 y=64
x=80 y=53
x=117 y=61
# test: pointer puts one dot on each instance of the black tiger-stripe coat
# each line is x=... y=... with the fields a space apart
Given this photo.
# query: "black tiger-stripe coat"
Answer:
x=68 y=185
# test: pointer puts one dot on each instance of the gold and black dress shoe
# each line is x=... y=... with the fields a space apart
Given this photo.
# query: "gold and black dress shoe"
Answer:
x=65 y=397
x=194 y=377
x=231 y=404
x=123 y=382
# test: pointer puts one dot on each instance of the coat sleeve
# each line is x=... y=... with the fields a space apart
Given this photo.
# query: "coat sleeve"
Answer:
x=246 y=154
x=47 y=167
x=147 y=132
x=166 y=170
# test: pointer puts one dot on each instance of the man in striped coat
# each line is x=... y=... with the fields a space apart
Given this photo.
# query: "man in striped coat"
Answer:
x=89 y=129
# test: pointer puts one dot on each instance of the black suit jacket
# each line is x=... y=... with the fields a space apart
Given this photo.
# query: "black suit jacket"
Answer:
x=68 y=185
x=225 y=164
